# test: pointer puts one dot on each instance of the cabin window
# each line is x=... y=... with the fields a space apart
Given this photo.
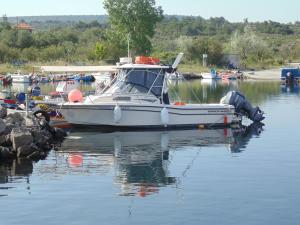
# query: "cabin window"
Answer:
x=143 y=80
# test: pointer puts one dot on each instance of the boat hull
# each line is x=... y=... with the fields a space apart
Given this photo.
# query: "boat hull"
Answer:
x=210 y=76
x=148 y=116
x=20 y=79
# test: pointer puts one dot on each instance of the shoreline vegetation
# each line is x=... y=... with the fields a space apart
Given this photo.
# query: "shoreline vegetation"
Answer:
x=185 y=68
x=257 y=46
x=272 y=73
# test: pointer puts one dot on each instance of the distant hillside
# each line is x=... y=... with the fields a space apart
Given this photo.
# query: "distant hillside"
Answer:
x=50 y=22
x=63 y=19
x=71 y=18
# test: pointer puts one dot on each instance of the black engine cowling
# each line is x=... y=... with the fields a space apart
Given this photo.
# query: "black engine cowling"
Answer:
x=243 y=106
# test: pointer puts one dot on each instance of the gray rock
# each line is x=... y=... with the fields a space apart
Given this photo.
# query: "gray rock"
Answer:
x=29 y=122
x=36 y=155
x=2 y=139
x=18 y=117
x=14 y=118
x=9 y=127
x=24 y=151
x=3 y=112
x=6 y=153
x=20 y=138
x=2 y=126
x=35 y=147
x=11 y=119
x=60 y=134
x=47 y=133
x=41 y=137
x=47 y=147
x=8 y=140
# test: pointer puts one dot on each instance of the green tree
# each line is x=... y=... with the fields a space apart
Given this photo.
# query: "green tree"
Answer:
x=100 y=51
x=30 y=54
x=249 y=46
x=3 y=51
x=196 y=47
x=4 y=25
x=24 y=39
x=44 y=39
x=289 y=51
x=8 y=54
x=137 y=18
x=9 y=38
x=52 y=53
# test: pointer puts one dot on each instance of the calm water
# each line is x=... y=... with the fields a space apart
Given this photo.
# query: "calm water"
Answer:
x=246 y=176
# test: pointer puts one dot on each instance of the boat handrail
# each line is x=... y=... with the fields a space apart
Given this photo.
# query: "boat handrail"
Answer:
x=134 y=95
x=159 y=74
x=122 y=79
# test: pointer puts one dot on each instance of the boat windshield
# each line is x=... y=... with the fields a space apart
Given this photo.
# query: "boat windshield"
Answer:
x=137 y=81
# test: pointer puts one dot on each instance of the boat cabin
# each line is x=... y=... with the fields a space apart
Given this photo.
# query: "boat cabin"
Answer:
x=290 y=73
x=142 y=79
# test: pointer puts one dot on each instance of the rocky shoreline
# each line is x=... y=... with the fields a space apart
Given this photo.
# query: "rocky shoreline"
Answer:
x=27 y=136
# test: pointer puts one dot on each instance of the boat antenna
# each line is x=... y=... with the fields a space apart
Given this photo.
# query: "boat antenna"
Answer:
x=177 y=60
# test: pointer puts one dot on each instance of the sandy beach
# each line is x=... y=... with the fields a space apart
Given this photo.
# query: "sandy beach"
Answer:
x=272 y=74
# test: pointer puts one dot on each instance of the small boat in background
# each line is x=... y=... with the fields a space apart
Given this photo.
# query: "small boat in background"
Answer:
x=226 y=75
x=231 y=75
x=105 y=77
x=174 y=76
x=57 y=77
x=212 y=75
x=7 y=98
x=82 y=78
x=5 y=80
x=20 y=78
x=290 y=75
x=44 y=79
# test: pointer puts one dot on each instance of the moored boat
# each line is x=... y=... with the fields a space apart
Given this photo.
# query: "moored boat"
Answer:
x=175 y=76
x=290 y=76
x=5 y=80
x=20 y=78
x=139 y=98
x=231 y=75
x=211 y=75
x=82 y=78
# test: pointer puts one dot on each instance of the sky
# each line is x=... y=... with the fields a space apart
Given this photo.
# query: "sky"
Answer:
x=232 y=10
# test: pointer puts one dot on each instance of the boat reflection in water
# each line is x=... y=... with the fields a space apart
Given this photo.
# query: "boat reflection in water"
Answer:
x=290 y=88
x=140 y=160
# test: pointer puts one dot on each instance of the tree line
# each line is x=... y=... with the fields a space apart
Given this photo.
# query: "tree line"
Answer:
x=257 y=44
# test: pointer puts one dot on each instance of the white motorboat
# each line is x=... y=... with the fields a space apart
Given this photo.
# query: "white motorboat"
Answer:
x=20 y=78
x=104 y=77
x=139 y=98
x=211 y=75
x=175 y=76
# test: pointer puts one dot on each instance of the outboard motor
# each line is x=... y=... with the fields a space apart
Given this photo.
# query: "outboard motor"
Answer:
x=289 y=78
x=243 y=106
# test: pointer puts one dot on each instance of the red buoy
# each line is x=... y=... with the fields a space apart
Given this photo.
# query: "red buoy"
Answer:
x=75 y=96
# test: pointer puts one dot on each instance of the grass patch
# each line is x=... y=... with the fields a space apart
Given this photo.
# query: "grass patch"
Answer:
x=9 y=68
x=195 y=68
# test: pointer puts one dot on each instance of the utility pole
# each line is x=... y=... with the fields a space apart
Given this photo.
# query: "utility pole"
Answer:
x=128 y=45
x=204 y=60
